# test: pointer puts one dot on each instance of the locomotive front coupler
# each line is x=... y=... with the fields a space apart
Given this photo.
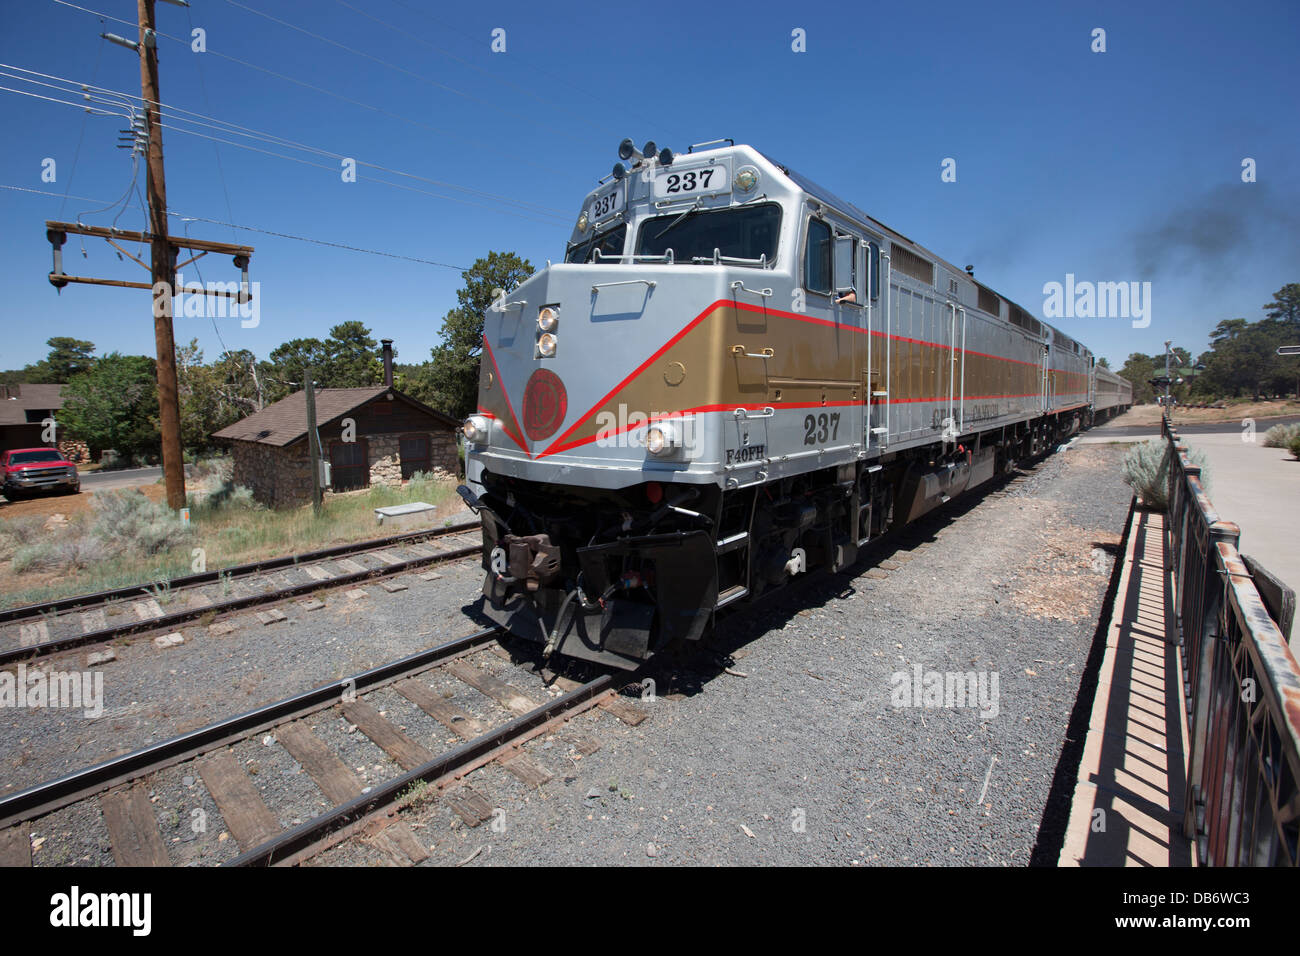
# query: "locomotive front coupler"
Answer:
x=475 y=504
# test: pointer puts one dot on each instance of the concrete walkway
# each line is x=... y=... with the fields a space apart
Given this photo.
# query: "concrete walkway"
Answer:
x=1128 y=803
x=1258 y=488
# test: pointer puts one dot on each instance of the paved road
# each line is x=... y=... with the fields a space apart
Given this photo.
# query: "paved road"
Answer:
x=127 y=478
x=1111 y=432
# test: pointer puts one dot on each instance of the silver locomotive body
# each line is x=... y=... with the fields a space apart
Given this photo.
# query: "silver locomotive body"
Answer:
x=733 y=378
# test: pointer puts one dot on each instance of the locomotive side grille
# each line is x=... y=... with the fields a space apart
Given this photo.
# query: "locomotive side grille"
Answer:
x=1024 y=320
x=909 y=263
x=989 y=301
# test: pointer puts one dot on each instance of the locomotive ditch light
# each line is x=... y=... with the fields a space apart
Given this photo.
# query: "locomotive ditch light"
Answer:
x=475 y=429
x=627 y=149
x=548 y=317
x=661 y=439
x=546 y=343
x=582 y=221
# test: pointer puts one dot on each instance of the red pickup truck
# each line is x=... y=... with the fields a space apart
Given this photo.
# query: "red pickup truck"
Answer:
x=25 y=471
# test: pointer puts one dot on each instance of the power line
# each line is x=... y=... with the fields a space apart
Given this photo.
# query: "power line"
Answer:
x=226 y=126
x=388 y=64
x=319 y=89
x=620 y=107
x=216 y=150
x=85 y=118
x=267 y=232
x=478 y=69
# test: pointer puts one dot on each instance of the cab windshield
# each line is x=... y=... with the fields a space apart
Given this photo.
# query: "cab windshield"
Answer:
x=741 y=232
x=609 y=242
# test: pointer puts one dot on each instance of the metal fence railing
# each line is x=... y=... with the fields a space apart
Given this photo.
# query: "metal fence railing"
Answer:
x=1242 y=688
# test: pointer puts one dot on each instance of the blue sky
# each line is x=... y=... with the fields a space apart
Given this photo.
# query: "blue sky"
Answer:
x=1115 y=166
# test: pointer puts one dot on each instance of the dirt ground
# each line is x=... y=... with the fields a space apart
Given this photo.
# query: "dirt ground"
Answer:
x=1150 y=414
x=45 y=505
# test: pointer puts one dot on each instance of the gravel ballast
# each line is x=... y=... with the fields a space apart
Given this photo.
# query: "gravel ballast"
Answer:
x=818 y=754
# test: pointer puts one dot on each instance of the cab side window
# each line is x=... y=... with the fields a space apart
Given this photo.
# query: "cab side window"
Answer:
x=818 y=257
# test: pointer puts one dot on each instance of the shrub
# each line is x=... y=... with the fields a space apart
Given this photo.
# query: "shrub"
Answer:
x=227 y=496
x=218 y=466
x=128 y=521
x=74 y=550
x=1294 y=447
x=1281 y=436
x=25 y=530
x=1146 y=471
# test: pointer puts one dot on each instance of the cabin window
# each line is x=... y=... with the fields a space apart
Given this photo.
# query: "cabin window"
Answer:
x=349 y=465
x=414 y=450
x=818 y=257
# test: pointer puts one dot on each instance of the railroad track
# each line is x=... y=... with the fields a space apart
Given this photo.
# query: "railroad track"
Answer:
x=465 y=686
x=40 y=629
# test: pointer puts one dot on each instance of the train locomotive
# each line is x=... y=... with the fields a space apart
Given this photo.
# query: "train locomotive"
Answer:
x=734 y=378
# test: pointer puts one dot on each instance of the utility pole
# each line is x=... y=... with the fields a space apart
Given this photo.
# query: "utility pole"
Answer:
x=161 y=265
x=162 y=253
x=313 y=445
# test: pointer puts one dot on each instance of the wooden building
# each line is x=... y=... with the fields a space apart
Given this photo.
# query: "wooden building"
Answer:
x=23 y=411
x=369 y=436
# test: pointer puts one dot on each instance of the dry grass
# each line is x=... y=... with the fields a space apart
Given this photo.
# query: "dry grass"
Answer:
x=230 y=534
x=1063 y=570
x=1142 y=415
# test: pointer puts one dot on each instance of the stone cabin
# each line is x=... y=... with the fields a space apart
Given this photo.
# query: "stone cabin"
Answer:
x=393 y=437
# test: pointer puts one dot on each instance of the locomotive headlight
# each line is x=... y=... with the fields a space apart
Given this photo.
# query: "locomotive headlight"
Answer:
x=582 y=221
x=546 y=343
x=548 y=317
x=661 y=439
x=475 y=429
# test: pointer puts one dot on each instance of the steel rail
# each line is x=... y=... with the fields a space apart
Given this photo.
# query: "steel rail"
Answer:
x=13 y=655
x=8 y=615
x=305 y=835
x=52 y=795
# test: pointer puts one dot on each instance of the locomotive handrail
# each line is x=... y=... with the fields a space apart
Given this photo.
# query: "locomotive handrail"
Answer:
x=1242 y=686
x=764 y=355
x=768 y=411
x=608 y=285
x=632 y=257
x=718 y=259
x=725 y=139
x=739 y=285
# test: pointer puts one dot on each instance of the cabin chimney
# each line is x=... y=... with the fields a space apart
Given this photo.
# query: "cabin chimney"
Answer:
x=388 y=362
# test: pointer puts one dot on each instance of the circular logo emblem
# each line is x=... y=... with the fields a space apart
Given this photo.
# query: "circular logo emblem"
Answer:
x=545 y=404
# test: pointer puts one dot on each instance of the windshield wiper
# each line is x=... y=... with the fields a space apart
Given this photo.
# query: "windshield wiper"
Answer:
x=694 y=208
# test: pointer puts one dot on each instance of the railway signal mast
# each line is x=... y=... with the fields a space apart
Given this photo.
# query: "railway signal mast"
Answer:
x=162 y=252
